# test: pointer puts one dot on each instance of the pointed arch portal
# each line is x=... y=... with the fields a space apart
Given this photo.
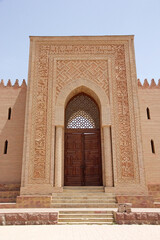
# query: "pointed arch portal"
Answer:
x=82 y=158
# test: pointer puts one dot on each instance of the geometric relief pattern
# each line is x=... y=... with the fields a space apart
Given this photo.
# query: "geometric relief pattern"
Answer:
x=41 y=118
x=82 y=112
x=126 y=165
x=69 y=70
x=95 y=70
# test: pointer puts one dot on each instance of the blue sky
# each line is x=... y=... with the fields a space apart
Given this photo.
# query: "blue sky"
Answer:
x=21 y=18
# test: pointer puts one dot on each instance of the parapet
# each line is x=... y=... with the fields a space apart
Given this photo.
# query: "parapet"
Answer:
x=146 y=85
x=15 y=85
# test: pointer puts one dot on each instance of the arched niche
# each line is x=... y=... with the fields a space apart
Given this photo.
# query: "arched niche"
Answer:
x=88 y=87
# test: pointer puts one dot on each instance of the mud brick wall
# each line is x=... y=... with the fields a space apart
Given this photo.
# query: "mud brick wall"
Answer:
x=149 y=97
x=12 y=130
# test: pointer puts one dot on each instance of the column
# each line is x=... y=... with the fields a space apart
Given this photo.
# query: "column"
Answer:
x=107 y=157
x=58 y=156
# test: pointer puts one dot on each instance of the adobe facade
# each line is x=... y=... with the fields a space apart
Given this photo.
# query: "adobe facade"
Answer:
x=33 y=125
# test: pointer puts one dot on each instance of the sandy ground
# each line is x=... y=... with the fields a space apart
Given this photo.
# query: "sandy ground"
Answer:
x=80 y=232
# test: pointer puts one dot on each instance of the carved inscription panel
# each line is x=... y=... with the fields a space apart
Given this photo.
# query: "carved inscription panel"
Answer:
x=94 y=70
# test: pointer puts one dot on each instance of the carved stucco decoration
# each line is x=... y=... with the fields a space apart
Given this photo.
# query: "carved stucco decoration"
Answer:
x=69 y=70
x=40 y=118
x=127 y=168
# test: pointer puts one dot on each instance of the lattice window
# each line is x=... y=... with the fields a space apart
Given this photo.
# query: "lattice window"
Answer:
x=82 y=112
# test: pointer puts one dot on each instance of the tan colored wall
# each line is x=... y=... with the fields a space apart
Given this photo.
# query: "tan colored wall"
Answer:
x=149 y=96
x=13 y=131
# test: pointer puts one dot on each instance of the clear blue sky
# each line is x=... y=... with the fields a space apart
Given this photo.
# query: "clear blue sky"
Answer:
x=21 y=18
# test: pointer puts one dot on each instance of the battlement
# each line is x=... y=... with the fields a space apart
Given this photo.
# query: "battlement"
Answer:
x=15 y=85
x=145 y=84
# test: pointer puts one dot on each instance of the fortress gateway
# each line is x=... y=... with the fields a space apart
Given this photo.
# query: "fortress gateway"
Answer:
x=83 y=122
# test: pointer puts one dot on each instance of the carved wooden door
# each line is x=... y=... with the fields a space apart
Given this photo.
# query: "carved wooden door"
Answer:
x=82 y=155
x=73 y=172
x=92 y=159
x=82 y=165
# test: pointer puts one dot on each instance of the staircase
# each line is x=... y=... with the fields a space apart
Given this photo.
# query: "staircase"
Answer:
x=156 y=198
x=83 y=197
x=85 y=217
x=8 y=194
x=154 y=191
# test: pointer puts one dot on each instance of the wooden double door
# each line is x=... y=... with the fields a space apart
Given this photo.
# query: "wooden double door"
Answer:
x=82 y=158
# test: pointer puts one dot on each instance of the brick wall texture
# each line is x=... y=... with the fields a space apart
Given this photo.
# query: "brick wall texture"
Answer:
x=12 y=130
x=149 y=97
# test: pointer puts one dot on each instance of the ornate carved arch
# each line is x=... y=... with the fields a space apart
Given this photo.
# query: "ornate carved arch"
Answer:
x=89 y=88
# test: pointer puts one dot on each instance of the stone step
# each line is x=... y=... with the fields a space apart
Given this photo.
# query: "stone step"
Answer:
x=7 y=200
x=9 y=187
x=7 y=205
x=81 y=200
x=83 y=189
x=154 y=193
x=84 y=216
x=85 y=223
x=83 y=205
x=7 y=194
x=157 y=199
x=85 y=212
x=100 y=194
x=157 y=204
x=83 y=197
x=85 y=220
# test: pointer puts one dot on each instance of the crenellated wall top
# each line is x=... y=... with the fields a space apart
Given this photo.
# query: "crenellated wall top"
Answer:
x=15 y=85
x=146 y=85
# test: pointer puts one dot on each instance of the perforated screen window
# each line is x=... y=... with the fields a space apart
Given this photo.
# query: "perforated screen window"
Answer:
x=82 y=112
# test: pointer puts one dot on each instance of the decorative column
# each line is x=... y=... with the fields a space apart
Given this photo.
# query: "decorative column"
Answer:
x=107 y=157
x=58 y=159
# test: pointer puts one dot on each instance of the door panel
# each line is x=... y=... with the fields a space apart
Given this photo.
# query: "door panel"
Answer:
x=93 y=168
x=82 y=158
x=73 y=175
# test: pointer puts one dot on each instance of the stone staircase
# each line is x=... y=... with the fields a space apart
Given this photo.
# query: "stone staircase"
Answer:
x=85 y=217
x=8 y=194
x=156 y=198
x=154 y=191
x=83 y=197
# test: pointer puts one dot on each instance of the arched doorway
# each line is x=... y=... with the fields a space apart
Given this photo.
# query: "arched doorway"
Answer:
x=82 y=155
